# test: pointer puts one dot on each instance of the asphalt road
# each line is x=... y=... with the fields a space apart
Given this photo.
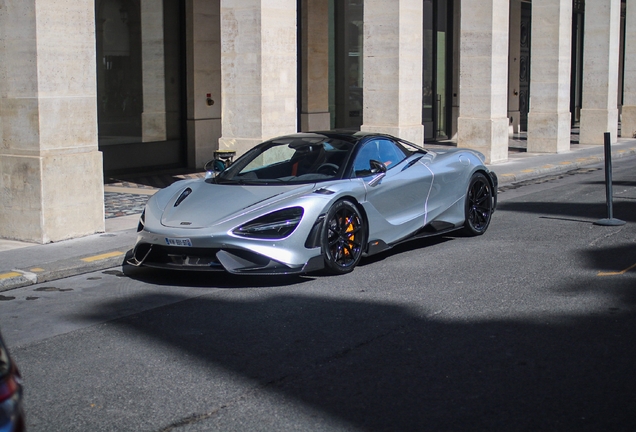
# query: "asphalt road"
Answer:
x=529 y=327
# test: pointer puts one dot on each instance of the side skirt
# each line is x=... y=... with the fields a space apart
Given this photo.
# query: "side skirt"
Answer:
x=377 y=246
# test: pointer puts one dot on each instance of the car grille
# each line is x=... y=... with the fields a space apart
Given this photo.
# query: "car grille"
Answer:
x=172 y=256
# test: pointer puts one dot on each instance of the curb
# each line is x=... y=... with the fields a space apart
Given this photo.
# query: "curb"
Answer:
x=560 y=168
x=17 y=278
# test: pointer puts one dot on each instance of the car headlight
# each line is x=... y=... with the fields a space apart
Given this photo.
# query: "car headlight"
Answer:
x=277 y=225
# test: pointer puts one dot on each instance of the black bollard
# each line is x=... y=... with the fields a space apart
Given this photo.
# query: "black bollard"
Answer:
x=609 y=194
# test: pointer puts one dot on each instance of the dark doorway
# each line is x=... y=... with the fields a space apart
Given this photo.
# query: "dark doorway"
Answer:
x=576 y=81
x=524 y=65
x=345 y=43
x=437 y=68
x=140 y=84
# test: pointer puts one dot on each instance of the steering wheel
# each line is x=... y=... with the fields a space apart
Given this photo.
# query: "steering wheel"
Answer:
x=328 y=169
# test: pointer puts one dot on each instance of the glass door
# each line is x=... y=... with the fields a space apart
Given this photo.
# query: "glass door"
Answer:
x=576 y=80
x=436 y=69
x=524 y=64
x=346 y=64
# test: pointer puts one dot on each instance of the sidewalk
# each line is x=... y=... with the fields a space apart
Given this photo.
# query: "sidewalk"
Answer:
x=23 y=264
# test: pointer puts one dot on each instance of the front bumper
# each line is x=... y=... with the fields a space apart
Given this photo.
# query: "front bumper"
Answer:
x=224 y=252
x=231 y=260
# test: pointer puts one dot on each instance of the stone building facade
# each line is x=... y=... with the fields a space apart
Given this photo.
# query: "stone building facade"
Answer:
x=94 y=86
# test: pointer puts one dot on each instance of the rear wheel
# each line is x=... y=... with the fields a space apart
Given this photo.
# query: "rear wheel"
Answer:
x=479 y=205
x=343 y=237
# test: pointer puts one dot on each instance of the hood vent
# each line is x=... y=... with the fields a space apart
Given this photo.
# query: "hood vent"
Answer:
x=183 y=196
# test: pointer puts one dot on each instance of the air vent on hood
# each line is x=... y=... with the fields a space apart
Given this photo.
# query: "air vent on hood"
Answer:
x=183 y=196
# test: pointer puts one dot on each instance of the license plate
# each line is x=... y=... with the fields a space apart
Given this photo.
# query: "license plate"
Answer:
x=185 y=242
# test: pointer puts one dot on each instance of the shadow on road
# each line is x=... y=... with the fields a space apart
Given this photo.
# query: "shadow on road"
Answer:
x=220 y=279
x=381 y=366
x=629 y=183
x=411 y=245
x=208 y=279
x=622 y=209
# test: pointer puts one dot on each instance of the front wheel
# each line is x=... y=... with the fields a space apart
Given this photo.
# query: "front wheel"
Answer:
x=479 y=205
x=343 y=237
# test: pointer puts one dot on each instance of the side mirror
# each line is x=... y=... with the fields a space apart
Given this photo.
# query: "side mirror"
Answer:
x=378 y=169
x=213 y=167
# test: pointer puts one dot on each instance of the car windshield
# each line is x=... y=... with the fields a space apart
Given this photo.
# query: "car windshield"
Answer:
x=296 y=159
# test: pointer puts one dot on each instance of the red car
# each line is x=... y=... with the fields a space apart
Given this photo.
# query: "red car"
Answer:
x=11 y=412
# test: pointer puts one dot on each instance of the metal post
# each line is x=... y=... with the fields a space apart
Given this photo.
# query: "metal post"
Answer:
x=609 y=194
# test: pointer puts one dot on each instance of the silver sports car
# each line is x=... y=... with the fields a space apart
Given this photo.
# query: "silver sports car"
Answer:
x=312 y=201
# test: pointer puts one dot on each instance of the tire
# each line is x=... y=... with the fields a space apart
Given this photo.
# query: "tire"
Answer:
x=479 y=205
x=343 y=237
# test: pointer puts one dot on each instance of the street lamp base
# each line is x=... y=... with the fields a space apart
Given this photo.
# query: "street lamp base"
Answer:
x=610 y=222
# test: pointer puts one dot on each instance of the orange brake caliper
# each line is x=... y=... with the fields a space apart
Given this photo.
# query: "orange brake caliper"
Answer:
x=349 y=229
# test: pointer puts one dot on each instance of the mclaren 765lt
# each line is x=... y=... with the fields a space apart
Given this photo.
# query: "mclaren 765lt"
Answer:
x=314 y=201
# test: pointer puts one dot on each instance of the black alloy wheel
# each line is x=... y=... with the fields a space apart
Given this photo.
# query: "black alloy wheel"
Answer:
x=343 y=237
x=479 y=205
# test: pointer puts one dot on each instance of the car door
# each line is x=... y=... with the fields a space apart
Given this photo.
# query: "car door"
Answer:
x=452 y=172
x=400 y=196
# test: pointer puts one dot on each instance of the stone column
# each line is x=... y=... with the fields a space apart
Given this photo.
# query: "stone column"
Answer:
x=549 y=116
x=258 y=66
x=51 y=179
x=203 y=64
x=514 y=56
x=628 y=124
x=600 y=71
x=314 y=114
x=153 y=118
x=392 y=83
x=483 y=119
